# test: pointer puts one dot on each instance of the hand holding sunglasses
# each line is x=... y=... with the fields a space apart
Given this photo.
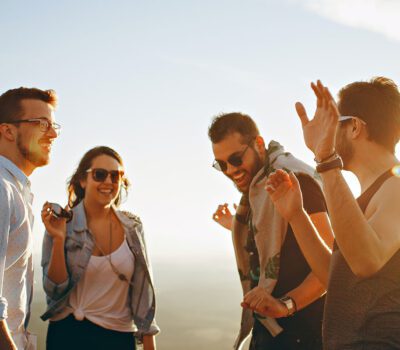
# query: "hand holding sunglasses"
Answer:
x=100 y=174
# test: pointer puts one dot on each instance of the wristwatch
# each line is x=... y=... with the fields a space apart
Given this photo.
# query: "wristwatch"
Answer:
x=290 y=305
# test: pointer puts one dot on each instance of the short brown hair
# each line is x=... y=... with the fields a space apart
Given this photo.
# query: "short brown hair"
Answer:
x=10 y=101
x=377 y=102
x=228 y=123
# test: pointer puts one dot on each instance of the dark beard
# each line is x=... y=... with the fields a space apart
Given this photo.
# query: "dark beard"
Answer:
x=258 y=164
x=32 y=157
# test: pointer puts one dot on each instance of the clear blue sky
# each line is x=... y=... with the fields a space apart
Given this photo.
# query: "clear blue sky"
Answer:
x=145 y=77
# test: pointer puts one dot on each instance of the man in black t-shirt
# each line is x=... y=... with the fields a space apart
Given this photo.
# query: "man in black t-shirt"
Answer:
x=296 y=306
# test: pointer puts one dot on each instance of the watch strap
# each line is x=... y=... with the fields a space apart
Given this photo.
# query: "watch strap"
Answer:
x=329 y=165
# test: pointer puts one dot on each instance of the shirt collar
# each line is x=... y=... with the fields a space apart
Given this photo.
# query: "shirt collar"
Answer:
x=15 y=171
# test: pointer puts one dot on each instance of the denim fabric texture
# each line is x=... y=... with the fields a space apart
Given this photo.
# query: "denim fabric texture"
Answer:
x=79 y=246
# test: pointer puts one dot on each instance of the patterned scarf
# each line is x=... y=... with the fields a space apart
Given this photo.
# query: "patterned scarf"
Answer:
x=256 y=215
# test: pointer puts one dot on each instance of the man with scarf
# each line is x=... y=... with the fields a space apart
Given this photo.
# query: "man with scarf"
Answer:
x=268 y=258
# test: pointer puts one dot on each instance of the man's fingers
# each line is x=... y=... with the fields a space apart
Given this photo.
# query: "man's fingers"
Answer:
x=293 y=180
x=301 y=112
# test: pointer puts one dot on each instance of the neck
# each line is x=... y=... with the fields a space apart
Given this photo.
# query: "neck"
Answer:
x=16 y=157
x=96 y=211
x=371 y=164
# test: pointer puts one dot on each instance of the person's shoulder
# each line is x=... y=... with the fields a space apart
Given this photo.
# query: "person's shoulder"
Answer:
x=129 y=215
x=389 y=190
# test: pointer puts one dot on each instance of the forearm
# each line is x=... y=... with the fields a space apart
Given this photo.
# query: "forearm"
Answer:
x=6 y=342
x=57 y=271
x=314 y=249
x=357 y=241
x=307 y=292
x=149 y=342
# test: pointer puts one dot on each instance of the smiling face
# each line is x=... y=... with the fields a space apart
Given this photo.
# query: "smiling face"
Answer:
x=252 y=159
x=34 y=145
x=102 y=193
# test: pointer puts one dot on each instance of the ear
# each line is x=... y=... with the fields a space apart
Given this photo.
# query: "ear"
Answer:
x=8 y=132
x=259 y=143
x=83 y=183
x=357 y=127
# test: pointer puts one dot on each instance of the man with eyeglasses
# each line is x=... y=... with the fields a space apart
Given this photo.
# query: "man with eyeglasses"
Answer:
x=268 y=258
x=362 y=273
x=27 y=132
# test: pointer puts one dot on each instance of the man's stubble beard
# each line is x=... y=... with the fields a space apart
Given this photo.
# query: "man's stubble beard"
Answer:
x=35 y=158
x=344 y=149
x=258 y=164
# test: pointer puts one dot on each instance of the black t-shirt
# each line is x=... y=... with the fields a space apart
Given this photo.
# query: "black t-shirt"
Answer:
x=293 y=266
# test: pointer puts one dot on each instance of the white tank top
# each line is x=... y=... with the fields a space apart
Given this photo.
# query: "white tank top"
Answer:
x=100 y=296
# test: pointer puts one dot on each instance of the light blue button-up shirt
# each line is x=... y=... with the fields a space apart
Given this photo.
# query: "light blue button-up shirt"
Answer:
x=16 y=268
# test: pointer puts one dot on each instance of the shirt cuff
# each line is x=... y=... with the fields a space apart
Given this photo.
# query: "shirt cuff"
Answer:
x=3 y=308
x=54 y=290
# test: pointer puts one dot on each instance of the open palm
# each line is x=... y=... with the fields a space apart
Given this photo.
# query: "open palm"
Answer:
x=320 y=132
x=285 y=193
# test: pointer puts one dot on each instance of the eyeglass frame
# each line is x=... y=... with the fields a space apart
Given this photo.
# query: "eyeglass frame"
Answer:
x=56 y=127
x=343 y=118
x=120 y=173
x=216 y=165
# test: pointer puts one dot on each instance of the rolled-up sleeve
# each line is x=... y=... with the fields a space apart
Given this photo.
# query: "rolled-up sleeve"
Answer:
x=53 y=290
x=5 y=213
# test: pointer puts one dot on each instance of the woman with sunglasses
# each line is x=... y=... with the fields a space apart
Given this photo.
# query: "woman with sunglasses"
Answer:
x=96 y=272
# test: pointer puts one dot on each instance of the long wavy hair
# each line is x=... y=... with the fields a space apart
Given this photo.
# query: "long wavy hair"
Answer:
x=76 y=192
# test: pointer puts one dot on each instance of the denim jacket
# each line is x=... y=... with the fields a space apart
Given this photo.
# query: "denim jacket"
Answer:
x=78 y=250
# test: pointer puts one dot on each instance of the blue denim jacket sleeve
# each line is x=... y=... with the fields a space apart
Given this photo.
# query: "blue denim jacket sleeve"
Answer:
x=5 y=213
x=143 y=301
x=53 y=290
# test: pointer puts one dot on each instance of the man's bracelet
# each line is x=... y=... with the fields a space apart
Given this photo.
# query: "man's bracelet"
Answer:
x=330 y=164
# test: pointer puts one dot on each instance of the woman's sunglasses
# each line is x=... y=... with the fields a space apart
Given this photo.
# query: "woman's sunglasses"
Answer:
x=100 y=174
x=235 y=160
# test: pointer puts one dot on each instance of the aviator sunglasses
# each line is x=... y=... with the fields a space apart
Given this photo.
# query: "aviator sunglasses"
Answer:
x=100 y=174
x=234 y=159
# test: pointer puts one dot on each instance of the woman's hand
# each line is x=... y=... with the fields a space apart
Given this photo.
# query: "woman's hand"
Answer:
x=223 y=216
x=56 y=227
x=284 y=190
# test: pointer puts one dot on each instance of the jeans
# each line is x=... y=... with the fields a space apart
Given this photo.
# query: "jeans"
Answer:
x=70 y=334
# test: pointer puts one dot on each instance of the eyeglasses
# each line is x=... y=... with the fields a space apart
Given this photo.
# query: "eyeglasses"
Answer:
x=44 y=124
x=100 y=174
x=343 y=118
x=234 y=159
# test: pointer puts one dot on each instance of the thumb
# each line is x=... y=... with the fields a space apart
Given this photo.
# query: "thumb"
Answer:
x=301 y=112
x=235 y=206
x=294 y=180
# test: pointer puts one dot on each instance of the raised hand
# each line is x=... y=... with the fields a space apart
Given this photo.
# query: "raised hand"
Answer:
x=262 y=302
x=56 y=227
x=320 y=132
x=284 y=190
x=224 y=216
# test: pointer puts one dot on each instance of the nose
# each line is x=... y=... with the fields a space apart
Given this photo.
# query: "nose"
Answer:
x=230 y=169
x=53 y=133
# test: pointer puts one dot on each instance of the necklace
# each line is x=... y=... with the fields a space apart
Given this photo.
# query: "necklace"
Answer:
x=119 y=274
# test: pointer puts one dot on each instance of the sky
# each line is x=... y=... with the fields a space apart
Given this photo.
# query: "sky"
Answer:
x=146 y=78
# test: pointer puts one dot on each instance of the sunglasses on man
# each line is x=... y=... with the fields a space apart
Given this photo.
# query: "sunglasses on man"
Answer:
x=234 y=159
x=100 y=174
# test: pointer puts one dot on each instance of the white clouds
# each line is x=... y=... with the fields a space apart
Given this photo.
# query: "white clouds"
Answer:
x=381 y=16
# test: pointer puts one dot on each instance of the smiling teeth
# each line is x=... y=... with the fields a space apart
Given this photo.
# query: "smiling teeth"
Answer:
x=239 y=177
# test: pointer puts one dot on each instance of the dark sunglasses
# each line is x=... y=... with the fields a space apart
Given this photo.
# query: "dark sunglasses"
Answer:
x=235 y=160
x=100 y=175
